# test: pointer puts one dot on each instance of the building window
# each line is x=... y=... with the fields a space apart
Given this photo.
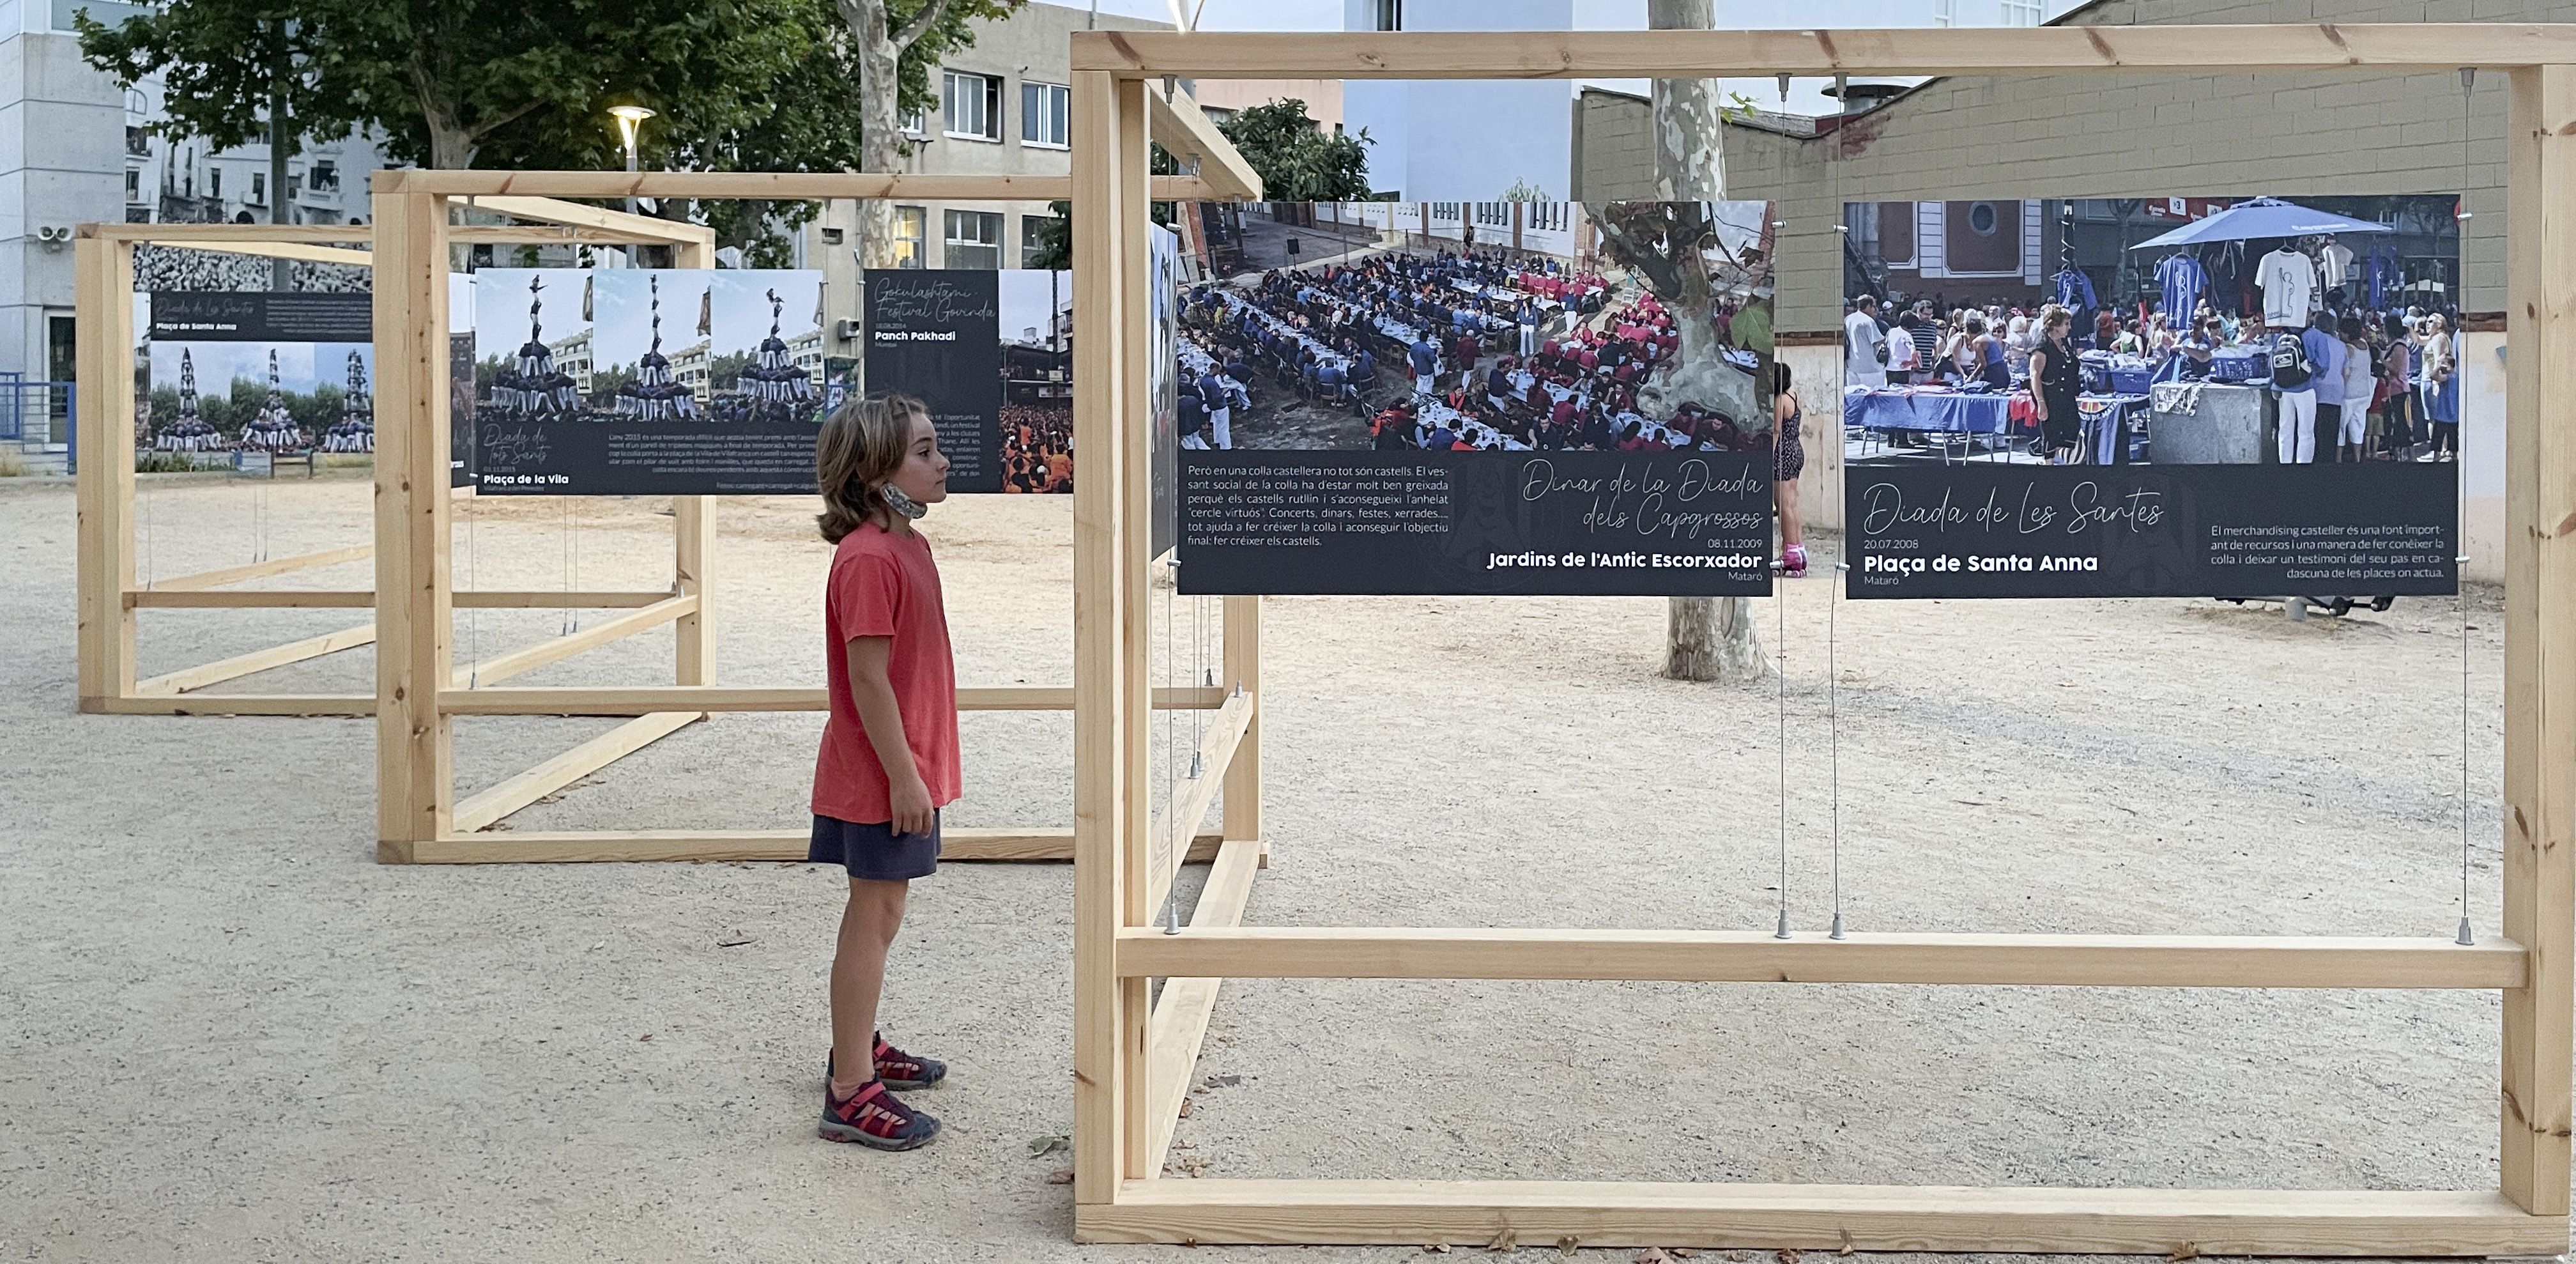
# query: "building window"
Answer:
x=1494 y=214
x=1046 y=115
x=325 y=178
x=258 y=188
x=1445 y=212
x=974 y=239
x=916 y=124
x=215 y=182
x=133 y=185
x=1982 y=219
x=1033 y=241
x=910 y=223
x=970 y=106
x=1390 y=15
x=2021 y=12
x=1547 y=216
x=1945 y=12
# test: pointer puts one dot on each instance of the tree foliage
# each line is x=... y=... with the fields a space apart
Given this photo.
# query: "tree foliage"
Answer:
x=1297 y=160
x=736 y=85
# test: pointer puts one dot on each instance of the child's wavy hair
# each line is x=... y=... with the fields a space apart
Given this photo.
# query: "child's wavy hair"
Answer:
x=861 y=445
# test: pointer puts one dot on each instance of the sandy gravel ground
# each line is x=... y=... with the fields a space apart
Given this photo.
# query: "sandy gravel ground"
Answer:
x=229 y=1035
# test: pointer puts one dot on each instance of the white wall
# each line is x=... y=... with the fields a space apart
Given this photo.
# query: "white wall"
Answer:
x=1465 y=139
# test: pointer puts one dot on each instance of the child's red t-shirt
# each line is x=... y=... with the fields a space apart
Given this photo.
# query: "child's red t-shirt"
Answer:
x=885 y=584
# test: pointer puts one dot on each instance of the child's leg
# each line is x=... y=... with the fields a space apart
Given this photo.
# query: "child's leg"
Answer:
x=868 y=926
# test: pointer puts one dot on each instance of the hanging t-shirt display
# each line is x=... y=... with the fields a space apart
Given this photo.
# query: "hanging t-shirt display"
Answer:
x=1626 y=451
x=2288 y=280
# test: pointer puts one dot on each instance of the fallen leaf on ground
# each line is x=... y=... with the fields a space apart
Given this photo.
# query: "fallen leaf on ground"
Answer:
x=1788 y=1256
x=646 y=1036
x=1652 y=1255
x=1568 y=1245
x=1435 y=1248
x=1223 y=1081
x=1502 y=1242
x=1681 y=1253
x=2187 y=1251
x=1060 y=1176
x=1185 y=1145
x=1185 y=1108
x=735 y=940
x=1039 y=1147
x=1847 y=1242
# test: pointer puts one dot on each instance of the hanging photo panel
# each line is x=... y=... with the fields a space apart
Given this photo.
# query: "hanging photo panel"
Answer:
x=1484 y=397
x=632 y=381
x=990 y=353
x=260 y=372
x=2153 y=397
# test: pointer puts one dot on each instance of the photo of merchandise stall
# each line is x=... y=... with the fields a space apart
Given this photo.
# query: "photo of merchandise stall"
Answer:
x=112 y=591
x=419 y=687
x=1125 y=1071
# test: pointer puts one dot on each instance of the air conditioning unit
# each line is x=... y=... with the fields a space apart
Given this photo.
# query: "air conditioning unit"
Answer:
x=849 y=330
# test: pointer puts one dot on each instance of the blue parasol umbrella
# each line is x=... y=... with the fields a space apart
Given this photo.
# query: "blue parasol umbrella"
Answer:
x=2263 y=217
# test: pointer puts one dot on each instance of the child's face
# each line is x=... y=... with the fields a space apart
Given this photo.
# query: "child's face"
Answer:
x=924 y=472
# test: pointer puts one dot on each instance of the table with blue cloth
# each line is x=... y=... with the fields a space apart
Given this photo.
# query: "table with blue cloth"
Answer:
x=1952 y=412
x=2239 y=364
x=2108 y=430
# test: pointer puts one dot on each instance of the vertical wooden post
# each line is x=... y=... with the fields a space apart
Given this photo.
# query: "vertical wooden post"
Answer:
x=415 y=776
x=2540 y=633
x=1243 y=671
x=693 y=529
x=1133 y=443
x=1105 y=619
x=103 y=279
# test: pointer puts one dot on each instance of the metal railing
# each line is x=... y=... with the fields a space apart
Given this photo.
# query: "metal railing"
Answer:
x=36 y=412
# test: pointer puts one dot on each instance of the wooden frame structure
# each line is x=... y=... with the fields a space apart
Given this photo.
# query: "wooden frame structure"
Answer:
x=110 y=592
x=1131 y=1063
x=418 y=689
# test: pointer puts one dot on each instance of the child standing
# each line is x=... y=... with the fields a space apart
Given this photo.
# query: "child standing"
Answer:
x=889 y=756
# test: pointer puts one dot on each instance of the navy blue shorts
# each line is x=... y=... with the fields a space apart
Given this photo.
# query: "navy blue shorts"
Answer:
x=875 y=851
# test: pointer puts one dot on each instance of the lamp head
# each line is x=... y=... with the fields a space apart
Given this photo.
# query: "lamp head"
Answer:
x=629 y=117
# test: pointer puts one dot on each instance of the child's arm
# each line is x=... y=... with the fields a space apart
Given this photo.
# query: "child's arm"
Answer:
x=883 y=720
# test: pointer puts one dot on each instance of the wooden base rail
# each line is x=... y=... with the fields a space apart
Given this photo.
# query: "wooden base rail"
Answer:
x=1021 y=844
x=316 y=705
x=365 y=599
x=2174 y=1223
x=646 y=699
x=2252 y=961
x=256 y=661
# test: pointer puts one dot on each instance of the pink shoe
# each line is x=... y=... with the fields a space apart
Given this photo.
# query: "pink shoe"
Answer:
x=1793 y=562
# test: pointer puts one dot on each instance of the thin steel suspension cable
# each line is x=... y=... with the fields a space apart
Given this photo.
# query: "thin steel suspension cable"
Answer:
x=1780 y=604
x=2468 y=86
x=1171 y=760
x=1834 y=723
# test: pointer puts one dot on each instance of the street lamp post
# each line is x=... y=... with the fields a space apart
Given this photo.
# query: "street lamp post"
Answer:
x=629 y=119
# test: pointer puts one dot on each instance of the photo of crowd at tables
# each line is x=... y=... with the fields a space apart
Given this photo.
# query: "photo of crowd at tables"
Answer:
x=2152 y=330
x=1500 y=327
x=1035 y=309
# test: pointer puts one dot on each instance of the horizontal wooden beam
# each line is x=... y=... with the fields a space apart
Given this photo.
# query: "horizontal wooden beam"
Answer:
x=558 y=599
x=554 y=774
x=261 y=570
x=2176 y=1223
x=644 y=699
x=578 y=846
x=301 y=704
x=780 y=185
x=1182 y=1011
x=1176 y=124
x=2246 y=961
x=555 y=649
x=550 y=211
x=193 y=234
x=2394 y=46
x=547 y=235
x=250 y=599
x=257 y=661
